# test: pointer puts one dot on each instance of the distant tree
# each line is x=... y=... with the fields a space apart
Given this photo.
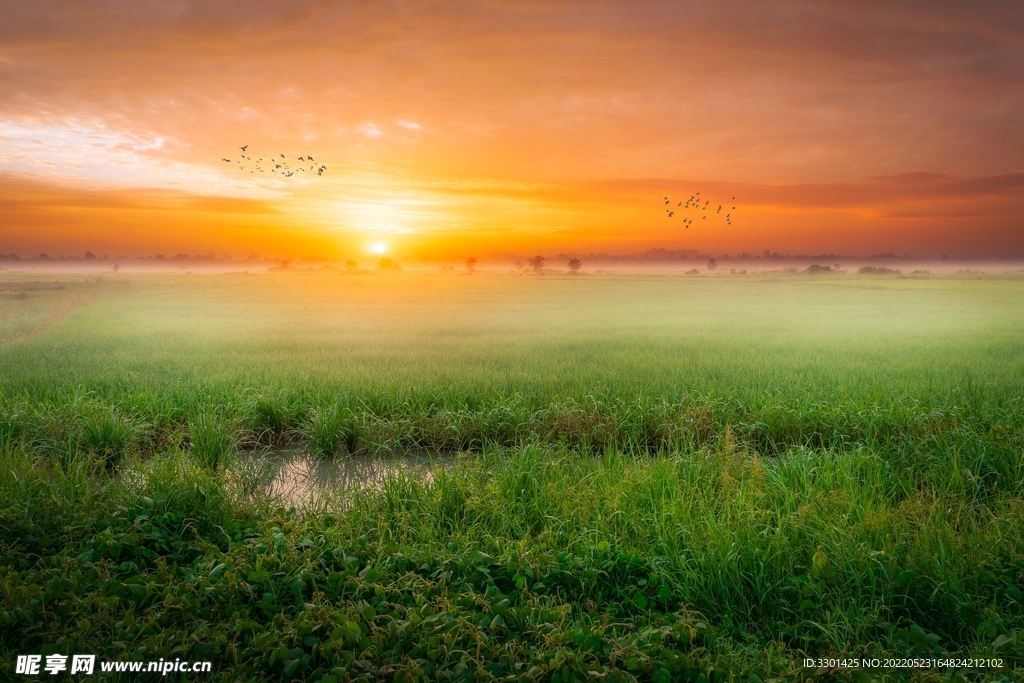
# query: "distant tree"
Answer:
x=117 y=267
x=90 y=256
x=385 y=263
x=712 y=264
x=351 y=265
x=574 y=265
x=471 y=265
x=537 y=263
x=284 y=263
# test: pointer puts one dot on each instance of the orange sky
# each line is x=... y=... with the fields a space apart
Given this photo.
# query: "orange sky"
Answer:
x=466 y=128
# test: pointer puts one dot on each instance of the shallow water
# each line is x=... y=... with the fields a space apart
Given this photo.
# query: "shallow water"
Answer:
x=298 y=477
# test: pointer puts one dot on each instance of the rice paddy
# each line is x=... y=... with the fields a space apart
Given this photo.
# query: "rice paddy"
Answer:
x=629 y=477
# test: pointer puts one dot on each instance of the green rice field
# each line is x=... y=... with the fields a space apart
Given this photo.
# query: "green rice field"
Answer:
x=638 y=476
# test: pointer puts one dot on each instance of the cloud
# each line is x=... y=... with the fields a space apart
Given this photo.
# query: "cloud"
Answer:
x=371 y=130
x=91 y=152
x=408 y=124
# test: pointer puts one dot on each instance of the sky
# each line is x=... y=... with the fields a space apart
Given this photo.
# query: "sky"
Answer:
x=457 y=129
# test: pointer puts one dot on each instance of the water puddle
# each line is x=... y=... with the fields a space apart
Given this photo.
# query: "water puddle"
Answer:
x=298 y=477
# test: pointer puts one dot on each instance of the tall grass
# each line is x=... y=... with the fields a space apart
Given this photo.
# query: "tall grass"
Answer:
x=212 y=437
x=330 y=427
x=747 y=562
x=653 y=478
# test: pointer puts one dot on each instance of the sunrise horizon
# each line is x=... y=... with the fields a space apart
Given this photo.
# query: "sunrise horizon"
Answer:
x=511 y=128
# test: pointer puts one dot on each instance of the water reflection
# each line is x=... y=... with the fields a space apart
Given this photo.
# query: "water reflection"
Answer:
x=298 y=477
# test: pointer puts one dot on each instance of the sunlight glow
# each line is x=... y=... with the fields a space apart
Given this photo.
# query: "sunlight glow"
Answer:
x=378 y=247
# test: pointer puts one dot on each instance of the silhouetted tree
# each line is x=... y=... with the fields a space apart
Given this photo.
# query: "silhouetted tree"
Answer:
x=471 y=265
x=574 y=265
x=712 y=264
x=351 y=265
x=385 y=263
x=117 y=267
x=537 y=263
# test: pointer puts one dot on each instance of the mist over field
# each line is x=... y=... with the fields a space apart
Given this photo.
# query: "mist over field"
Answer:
x=648 y=474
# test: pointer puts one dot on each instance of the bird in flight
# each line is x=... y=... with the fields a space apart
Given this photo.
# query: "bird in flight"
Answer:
x=281 y=168
x=694 y=203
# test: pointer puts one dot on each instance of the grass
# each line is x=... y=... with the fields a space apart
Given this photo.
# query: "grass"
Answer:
x=656 y=477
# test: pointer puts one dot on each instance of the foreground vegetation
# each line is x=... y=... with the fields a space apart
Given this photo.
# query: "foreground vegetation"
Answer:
x=654 y=479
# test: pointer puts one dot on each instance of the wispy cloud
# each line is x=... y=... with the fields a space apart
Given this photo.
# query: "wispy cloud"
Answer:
x=371 y=130
x=91 y=152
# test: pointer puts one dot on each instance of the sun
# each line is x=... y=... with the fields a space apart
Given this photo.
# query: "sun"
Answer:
x=378 y=247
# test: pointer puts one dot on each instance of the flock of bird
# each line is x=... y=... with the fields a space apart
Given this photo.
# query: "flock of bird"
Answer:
x=694 y=202
x=274 y=165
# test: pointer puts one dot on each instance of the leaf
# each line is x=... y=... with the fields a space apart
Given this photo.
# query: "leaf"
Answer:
x=265 y=640
x=298 y=586
x=1001 y=640
x=905 y=579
